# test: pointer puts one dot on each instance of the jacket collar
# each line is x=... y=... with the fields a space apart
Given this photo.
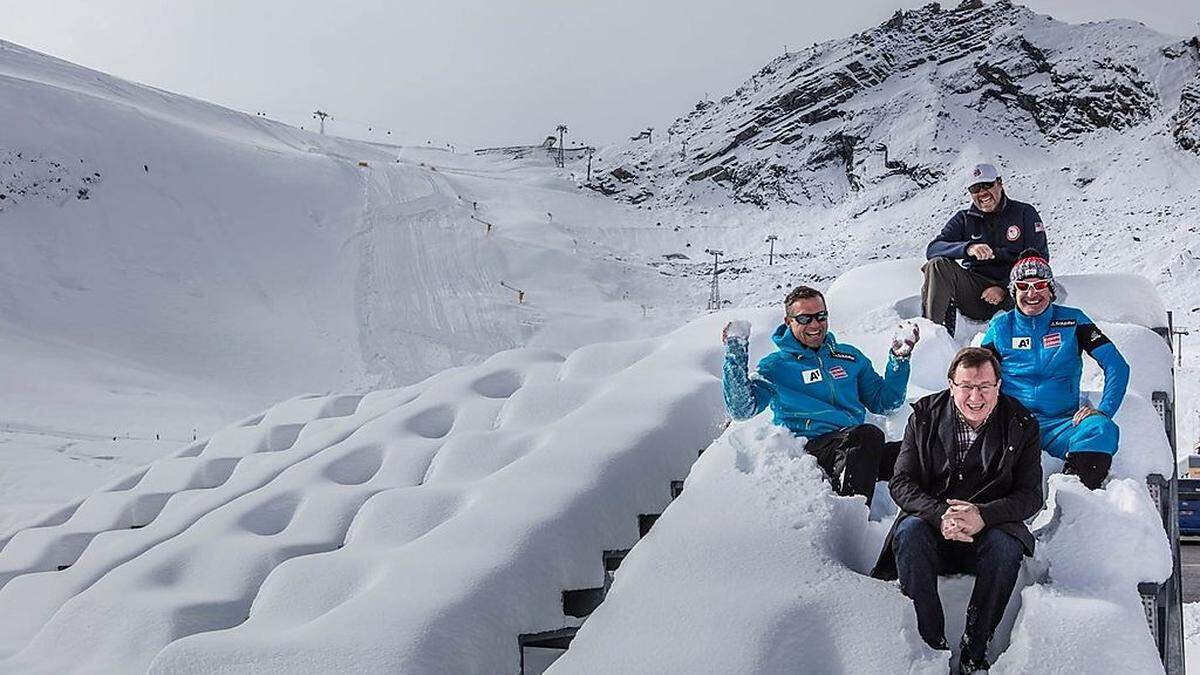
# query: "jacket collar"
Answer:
x=786 y=342
x=1034 y=325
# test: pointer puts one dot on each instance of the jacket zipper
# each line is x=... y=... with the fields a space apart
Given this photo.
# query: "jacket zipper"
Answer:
x=829 y=381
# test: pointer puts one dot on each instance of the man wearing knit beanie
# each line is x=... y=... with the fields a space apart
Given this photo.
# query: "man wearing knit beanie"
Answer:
x=1040 y=345
x=970 y=260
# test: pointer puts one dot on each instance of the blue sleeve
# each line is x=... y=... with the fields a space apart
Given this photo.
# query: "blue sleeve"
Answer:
x=1116 y=378
x=951 y=242
x=989 y=340
x=882 y=395
x=744 y=397
x=1035 y=233
x=1116 y=369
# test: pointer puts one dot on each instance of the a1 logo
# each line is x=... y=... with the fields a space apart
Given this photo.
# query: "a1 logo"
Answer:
x=1022 y=343
x=814 y=375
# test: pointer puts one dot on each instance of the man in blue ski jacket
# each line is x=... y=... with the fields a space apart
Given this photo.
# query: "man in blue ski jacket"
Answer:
x=986 y=238
x=1040 y=345
x=821 y=389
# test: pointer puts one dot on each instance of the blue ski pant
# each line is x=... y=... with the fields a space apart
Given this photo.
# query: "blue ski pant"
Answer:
x=1095 y=433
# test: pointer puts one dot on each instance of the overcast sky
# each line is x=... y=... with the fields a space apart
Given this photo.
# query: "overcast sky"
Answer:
x=472 y=72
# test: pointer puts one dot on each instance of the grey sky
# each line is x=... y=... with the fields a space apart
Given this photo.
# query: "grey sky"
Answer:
x=472 y=72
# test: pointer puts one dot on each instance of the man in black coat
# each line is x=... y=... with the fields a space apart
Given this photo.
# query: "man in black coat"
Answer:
x=987 y=238
x=969 y=474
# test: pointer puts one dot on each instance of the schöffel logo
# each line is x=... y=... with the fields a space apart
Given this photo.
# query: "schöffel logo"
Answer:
x=1062 y=323
x=843 y=356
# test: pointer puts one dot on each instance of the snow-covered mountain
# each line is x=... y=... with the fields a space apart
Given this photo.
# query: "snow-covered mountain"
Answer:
x=890 y=111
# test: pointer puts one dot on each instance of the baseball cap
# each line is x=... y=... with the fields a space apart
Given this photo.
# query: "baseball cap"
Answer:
x=981 y=173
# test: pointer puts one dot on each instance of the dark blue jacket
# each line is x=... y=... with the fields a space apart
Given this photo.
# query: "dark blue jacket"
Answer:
x=1009 y=230
x=811 y=392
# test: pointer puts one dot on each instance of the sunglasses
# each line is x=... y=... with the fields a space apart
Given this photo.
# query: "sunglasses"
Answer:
x=980 y=187
x=1040 y=285
x=805 y=319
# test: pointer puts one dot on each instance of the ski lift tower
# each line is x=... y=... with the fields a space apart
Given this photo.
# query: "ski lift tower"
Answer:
x=714 y=295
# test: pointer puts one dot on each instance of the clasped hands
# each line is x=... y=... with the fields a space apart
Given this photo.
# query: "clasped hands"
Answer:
x=961 y=521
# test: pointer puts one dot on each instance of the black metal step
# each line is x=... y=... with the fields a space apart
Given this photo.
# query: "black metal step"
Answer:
x=645 y=522
x=582 y=602
x=552 y=639
x=612 y=560
x=676 y=488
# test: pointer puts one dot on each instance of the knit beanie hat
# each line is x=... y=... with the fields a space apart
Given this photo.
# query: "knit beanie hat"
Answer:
x=1030 y=264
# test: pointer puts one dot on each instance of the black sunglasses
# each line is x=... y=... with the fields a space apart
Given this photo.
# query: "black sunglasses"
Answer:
x=980 y=187
x=805 y=319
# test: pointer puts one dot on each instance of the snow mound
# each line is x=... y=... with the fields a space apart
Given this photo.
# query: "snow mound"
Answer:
x=417 y=530
x=756 y=568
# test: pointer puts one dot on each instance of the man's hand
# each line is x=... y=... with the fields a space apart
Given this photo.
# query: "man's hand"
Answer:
x=735 y=329
x=1085 y=410
x=962 y=520
x=993 y=295
x=981 y=251
x=952 y=530
x=904 y=339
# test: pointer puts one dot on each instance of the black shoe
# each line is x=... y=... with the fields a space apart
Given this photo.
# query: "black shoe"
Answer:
x=970 y=662
x=970 y=667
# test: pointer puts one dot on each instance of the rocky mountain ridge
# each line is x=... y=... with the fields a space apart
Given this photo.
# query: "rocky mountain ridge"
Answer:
x=898 y=103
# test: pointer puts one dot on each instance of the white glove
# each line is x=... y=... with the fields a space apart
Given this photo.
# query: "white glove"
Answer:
x=904 y=339
x=736 y=329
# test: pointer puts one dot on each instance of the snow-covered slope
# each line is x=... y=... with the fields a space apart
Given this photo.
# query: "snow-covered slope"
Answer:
x=169 y=266
x=421 y=530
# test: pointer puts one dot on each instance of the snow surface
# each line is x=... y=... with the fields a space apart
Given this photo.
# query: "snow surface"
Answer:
x=422 y=529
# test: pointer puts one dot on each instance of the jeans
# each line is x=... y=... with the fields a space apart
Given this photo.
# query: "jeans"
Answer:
x=922 y=554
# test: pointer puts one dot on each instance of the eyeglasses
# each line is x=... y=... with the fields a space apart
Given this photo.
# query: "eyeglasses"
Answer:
x=981 y=388
x=980 y=187
x=805 y=319
x=1039 y=285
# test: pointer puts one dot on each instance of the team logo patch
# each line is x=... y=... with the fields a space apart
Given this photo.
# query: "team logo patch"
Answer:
x=1039 y=227
x=814 y=375
x=1022 y=343
x=1050 y=340
x=838 y=373
x=1062 y=323
x=1014 y=233
x=843 y=356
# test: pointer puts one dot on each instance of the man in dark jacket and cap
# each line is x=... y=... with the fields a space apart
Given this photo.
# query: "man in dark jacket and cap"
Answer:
x=986 y=238
x=969 y=474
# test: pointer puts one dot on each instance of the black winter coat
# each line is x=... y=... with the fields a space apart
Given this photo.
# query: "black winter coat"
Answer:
x=1011 y=486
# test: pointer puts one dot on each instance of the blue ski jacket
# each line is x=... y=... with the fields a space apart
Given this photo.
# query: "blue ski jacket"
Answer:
x=1009 y=230
x=1041 y=360
x=811 y=392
